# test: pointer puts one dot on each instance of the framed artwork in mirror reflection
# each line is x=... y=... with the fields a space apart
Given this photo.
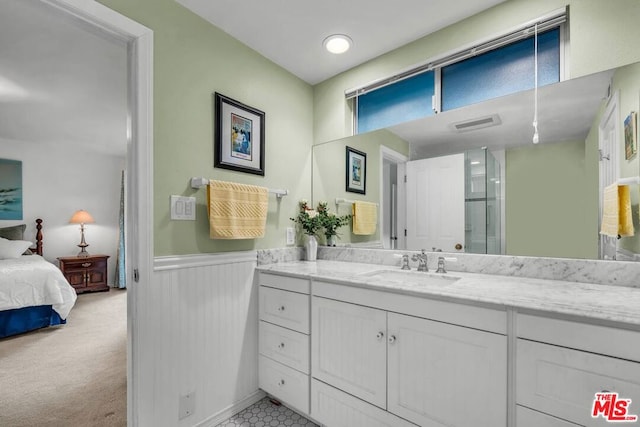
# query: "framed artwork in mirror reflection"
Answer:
x=356 y=171
x=239 y=136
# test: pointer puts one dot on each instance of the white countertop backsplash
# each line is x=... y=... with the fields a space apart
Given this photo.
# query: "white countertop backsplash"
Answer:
x=615 y=273
x=620 y=304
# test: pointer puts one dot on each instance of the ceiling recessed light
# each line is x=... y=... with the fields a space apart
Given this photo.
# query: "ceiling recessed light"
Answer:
x=337 y=43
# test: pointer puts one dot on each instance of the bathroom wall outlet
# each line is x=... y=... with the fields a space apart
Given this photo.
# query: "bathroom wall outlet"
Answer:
x=183 y=208
x=186 y=405
x=291 y=236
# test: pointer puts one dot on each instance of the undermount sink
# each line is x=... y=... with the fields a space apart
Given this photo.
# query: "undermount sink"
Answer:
x=414 y=277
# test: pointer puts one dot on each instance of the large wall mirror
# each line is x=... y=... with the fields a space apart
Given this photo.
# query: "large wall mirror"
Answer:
x=476 y=179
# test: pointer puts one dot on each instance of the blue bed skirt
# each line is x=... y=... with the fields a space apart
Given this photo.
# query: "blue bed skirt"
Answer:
x=20 y=320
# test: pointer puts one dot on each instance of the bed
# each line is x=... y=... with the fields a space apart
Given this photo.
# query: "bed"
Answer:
x=33 y=292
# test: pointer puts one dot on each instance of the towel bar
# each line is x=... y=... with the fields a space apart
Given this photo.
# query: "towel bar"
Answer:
x=199 y=182
x=340 y=201
x=629 y=181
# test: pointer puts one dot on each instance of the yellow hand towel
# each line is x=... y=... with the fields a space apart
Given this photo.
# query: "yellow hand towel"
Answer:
x=616 y=211
x=236 y=211
x=365 y=218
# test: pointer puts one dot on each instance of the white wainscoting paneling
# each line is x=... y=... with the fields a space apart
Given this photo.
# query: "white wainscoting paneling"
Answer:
x=199 y=333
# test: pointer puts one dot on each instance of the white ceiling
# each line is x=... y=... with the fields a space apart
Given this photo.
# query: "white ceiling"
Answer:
x=290 y=33
x=61 y=81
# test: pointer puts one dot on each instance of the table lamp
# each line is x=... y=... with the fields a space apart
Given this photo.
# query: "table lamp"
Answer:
x=82 y=217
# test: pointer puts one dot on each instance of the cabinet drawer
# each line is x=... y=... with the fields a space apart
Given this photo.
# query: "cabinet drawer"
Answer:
x=284 y=383
x=335 y=408
x=563 y=382
x=526 y=417
x=285 y=283
x=621 y=343
x=284 y=308
x=285 y=346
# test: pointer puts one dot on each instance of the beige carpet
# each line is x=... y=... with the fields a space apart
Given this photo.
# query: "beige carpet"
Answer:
x=73 y=375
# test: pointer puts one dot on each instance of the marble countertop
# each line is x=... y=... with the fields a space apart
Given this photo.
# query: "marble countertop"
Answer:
x=610 y=303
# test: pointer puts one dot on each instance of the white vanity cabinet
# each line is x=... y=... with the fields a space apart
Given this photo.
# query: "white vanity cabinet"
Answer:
x=562 y=364
x=382 y=348
x=284 y=360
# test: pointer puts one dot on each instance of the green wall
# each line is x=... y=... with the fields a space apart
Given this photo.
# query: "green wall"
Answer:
x=329 y=174
x=548 y=205
x=192 y=60
x=603 y=34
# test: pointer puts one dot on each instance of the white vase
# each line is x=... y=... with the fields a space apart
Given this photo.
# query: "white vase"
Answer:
x=311 y=248
x=331 y=240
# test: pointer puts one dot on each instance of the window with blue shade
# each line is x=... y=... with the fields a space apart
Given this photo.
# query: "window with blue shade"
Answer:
x=399 y=102
x=500 y=72
x=503 y=71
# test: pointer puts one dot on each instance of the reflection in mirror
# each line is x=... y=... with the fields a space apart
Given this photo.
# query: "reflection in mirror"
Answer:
x=520 y=199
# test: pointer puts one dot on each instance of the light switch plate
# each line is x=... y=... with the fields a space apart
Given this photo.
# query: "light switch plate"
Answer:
x=183 y=208
x=186 y=405
x=291 y=236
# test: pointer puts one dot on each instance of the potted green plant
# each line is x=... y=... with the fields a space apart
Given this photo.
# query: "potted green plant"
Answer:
x=309 y=221
x=331 y=222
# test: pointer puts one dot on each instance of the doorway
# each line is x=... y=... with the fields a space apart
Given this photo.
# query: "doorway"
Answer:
x=608 y=131
x=392 y=198
x=139 y=184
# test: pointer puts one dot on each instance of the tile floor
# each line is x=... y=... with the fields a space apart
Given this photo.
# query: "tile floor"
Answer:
x=266 y=414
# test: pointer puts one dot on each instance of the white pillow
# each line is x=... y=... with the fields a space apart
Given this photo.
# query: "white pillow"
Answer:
x=13 y=248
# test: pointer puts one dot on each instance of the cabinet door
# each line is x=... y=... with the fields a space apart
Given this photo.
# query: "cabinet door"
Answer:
x=335 y=408
x=349 y=348
x=446 y=375
x=526 y=417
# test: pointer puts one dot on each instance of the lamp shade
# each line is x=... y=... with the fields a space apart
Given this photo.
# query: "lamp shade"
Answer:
x=81 y=217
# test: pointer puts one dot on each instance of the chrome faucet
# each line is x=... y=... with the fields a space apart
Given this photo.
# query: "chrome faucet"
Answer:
x=405 y=262
x=422 y=260
x=441 y=265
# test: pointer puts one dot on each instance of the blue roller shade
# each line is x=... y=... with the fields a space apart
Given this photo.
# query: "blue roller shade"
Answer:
x=399 y=102
x=500 y=72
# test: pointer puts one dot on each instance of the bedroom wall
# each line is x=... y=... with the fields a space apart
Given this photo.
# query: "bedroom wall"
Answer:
x=57 y=182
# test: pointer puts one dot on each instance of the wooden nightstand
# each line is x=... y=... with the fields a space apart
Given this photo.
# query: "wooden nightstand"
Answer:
x=85 y=274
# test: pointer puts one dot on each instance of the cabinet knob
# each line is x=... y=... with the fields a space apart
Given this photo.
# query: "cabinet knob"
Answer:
x=86 y=264
x=281 y=345
x=281 y=383
x=392 y=339
x=281 y=308
x=380 y=335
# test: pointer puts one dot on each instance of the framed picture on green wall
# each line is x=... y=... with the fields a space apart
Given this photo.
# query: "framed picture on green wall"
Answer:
x=356 y=171
x=239 y=136
x=631 y=135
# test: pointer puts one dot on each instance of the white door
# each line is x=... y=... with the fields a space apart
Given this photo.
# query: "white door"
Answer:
x=349 y=350
x=607 y=138
x=435 y=203
x=446 y=375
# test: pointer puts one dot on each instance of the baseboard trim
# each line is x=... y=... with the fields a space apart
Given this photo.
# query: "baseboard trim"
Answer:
x=178 y=262
x=231 y=410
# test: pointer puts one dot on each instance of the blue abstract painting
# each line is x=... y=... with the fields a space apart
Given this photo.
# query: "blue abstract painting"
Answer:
x=10 y=189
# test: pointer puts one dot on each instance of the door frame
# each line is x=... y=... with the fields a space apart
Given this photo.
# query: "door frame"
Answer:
x=139 y=183
x=397 y=158
x=611 y=154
